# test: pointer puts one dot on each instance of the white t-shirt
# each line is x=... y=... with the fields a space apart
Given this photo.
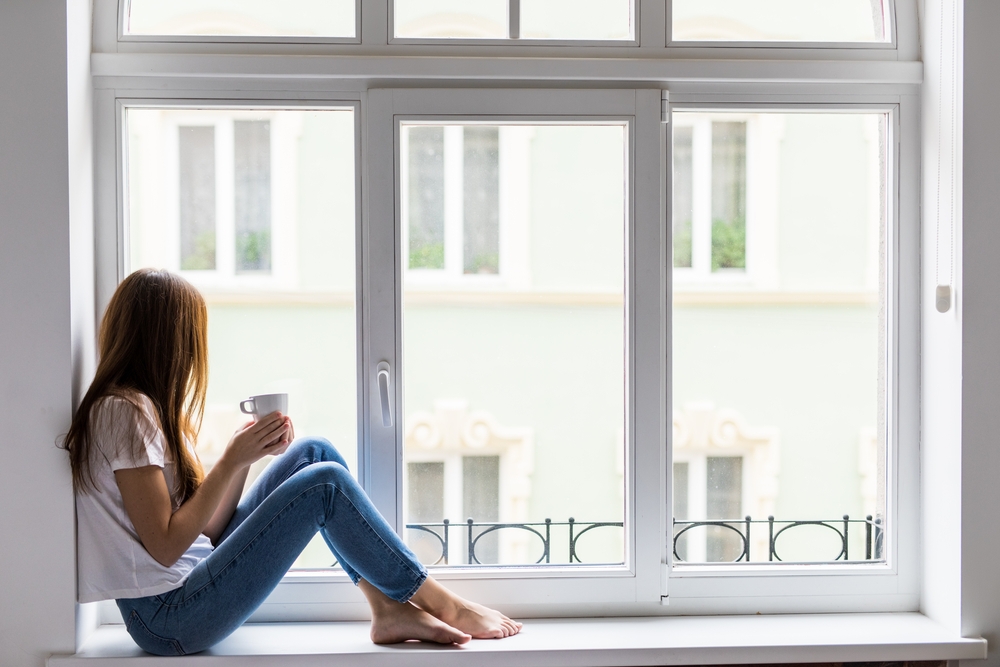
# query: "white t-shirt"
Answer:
x=111 y=561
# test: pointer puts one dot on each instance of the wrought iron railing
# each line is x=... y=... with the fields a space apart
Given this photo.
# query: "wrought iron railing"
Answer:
x=472 y=532
x=744 y=530
x=475 y=531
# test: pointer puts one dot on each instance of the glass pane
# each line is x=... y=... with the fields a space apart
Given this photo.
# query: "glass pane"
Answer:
x=481 y=501
x=464 y=19
x=196 y=174
x=252 y=165
x=683 y=197
x=425 y=504
x=729 y=195
x=723 y=500
x=576 y=19
x=425 y=190
x=284 y=322
x=778 y=369
x=303 y=18
x=481 y=200
x=780 y=20
x=680 y=495
x=514 y=377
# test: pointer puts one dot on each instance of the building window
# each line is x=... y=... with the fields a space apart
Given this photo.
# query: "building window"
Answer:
x=710 y=196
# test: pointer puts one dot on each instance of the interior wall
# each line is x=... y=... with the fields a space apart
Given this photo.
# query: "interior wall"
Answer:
x=981 y=324
x=37 y=571
x=941 y=333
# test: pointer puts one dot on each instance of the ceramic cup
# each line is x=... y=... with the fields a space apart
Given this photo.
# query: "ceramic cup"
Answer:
x=264 y=404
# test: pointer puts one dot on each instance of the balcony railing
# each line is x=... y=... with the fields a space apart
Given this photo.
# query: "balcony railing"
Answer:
x=747 y=528
x=472 y=532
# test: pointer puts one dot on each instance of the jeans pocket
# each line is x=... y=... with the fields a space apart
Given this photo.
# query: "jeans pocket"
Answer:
x=148 y=641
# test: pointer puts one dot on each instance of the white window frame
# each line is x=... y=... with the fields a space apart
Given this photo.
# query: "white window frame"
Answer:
x=764 y=77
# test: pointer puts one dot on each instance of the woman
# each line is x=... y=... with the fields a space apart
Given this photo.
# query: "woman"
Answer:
x=185 y=557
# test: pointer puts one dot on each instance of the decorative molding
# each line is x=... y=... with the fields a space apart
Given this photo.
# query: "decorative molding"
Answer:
x=452 y=431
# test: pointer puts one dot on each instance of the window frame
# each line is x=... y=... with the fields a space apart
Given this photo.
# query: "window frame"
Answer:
x=158 y=72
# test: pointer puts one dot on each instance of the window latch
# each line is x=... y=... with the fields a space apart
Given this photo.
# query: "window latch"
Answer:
x=382 y=373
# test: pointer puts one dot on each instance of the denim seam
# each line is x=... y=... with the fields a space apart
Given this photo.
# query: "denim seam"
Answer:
x=420 y=574
x=145 y=628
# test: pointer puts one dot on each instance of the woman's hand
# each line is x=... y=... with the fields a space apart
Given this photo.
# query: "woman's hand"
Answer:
x=271 y=434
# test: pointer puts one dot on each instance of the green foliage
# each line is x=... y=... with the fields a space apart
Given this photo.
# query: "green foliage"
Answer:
x=484 y=262
x=203 y=257
x=253 y=251
x=729 y=244
x=427 y=256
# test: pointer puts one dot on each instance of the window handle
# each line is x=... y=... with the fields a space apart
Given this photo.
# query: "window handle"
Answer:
x=382 y=371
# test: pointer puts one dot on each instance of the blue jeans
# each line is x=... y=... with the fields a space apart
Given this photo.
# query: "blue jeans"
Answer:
x=305 y=490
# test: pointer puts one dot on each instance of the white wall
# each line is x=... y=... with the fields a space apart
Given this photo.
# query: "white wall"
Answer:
x=981 y=324
x=37 y=572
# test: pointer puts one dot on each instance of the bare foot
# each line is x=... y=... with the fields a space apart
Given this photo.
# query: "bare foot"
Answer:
x=479 y=621
x=394 y=622
x=391 y=626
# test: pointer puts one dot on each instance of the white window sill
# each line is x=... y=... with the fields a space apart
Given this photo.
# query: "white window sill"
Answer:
x=678 y=640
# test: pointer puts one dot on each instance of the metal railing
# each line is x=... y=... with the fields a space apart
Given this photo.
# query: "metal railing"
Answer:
x=743 y=529
x=472 y=532
x=539 y=530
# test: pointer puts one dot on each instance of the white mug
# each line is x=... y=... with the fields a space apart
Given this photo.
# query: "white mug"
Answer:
x=264 y=404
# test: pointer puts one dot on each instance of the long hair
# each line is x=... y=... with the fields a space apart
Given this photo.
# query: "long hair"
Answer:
x=153 y=340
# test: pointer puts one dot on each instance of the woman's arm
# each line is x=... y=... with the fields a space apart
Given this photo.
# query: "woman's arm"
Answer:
x=166 y=534
x=224 y=512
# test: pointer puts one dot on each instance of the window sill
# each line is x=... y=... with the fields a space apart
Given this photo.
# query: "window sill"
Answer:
x=609 y=642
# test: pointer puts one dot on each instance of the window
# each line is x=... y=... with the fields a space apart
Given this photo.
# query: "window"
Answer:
x=609 y=313
x=713 y=221
x=541 y=20
x=553 y=193
x=816 y=21
x=451 y=197
x=243 y=18
x=802 y=351
x=257 y=208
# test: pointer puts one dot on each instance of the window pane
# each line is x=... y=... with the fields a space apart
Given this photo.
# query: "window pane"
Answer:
x=514 y=377
x=780 y=20
x=481 y=501
x=724 y=500
x=576 y=19
x=481 y=166
x=478 y=19
x=729 y=195
x=779 y=369
x=196 y=173
x=303 y=18
x=425 y=504
x=279 y=321
x=425 y=189
x=252 y=164
x=683 y=197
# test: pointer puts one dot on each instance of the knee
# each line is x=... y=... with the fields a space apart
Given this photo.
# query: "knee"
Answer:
x=317 y=450
x=331 y=473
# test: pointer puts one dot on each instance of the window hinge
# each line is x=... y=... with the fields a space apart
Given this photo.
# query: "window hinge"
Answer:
x=664 y=106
